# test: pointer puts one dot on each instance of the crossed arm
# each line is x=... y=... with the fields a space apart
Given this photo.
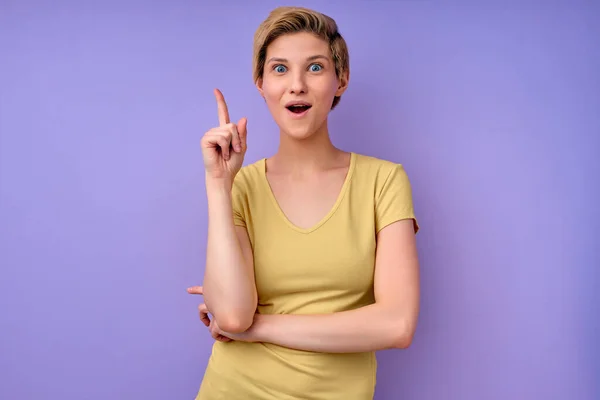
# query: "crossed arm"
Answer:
x=388 y=323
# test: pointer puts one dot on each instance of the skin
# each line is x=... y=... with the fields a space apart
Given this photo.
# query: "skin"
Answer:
x=229 y=274
x=299 y=67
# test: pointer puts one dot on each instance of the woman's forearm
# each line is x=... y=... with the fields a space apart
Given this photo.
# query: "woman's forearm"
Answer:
x=369 y=328
x=229 y=286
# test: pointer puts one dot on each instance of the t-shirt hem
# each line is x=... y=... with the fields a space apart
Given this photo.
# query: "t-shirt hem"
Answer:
x=390 y=221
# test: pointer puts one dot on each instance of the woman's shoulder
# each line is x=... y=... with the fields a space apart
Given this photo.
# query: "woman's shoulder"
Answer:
x=249 y=177
x=250 y=171
x=375 y=167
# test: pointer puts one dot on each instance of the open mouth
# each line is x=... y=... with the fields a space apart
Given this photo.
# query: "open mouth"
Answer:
x=298 y=108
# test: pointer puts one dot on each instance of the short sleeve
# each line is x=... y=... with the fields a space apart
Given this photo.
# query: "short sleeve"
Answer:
x=238 y=200
x=394 y=200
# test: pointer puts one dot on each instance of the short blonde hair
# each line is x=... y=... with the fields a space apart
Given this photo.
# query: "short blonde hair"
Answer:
x=286 y=20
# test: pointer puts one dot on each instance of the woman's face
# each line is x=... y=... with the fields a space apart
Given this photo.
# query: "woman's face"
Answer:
x=299 y=83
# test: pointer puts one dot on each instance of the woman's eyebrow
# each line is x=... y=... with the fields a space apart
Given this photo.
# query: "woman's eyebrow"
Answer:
x=311 y=58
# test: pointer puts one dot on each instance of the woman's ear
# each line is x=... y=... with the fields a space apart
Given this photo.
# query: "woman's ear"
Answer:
x=344 y=80
x=259 y=86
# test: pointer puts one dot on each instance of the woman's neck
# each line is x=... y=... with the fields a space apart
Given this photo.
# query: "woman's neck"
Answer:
x=313 y=154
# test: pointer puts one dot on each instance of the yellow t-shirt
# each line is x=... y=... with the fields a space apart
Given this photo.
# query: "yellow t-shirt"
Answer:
x=325 y=269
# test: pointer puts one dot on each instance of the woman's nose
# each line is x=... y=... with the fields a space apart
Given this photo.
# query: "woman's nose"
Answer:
x=298 y=83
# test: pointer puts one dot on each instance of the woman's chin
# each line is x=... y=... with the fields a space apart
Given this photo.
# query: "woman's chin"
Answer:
x=299 y=131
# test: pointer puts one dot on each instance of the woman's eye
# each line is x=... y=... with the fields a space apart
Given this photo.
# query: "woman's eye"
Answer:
x=279 y=68
x=315 y=67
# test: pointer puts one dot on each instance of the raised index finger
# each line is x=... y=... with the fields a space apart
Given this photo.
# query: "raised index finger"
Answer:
x=222 y=108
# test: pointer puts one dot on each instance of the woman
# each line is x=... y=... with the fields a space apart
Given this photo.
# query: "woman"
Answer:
x=317 y=268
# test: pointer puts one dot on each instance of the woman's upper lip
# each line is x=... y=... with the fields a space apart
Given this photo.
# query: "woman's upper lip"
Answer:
x=297 y=103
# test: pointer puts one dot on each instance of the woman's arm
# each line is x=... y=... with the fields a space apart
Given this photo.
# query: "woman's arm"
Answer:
x=389 y=323
x=229 y=286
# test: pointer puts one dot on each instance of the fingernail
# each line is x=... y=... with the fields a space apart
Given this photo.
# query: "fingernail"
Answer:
x=238 y=148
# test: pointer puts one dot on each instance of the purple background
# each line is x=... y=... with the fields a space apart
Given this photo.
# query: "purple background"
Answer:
x=495 y=113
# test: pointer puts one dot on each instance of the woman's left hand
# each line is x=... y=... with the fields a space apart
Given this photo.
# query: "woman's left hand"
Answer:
x=212 y=325
x=216 y=332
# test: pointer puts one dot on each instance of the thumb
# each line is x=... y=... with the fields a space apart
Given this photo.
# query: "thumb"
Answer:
x=242 y=127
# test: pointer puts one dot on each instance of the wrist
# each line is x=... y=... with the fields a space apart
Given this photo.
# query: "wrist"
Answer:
x=259 y=329
x=223 y=184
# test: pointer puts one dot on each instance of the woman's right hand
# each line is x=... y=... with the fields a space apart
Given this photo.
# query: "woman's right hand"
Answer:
x=224 y=147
